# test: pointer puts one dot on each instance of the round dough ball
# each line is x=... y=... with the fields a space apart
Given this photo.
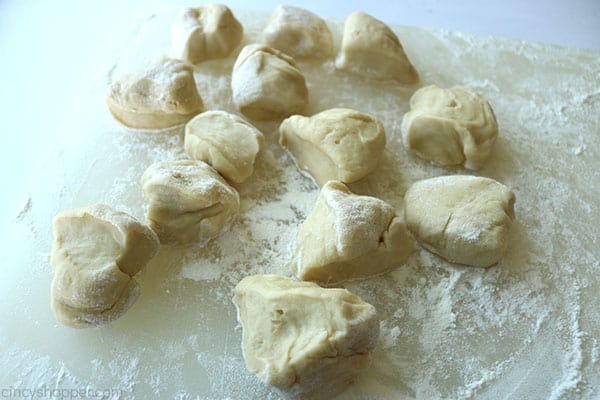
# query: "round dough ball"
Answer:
x=464 y=219
x=160 y=97
x=96 y=253
x=225 y=141
x=188 y=201
x=450 y=126
x=305 y=340
x=337 y=144
x=371 y=49
x=205 y=33
x=347 y=236
x=267 y=84
x=299 y=33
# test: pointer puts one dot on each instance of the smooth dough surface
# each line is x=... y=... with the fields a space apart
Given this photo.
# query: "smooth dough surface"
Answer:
x=307 y=341
x=336 y=144
x=298 y=33
x=347 y=236
x=370 y=48
x=267 y=84
x=450 y=126
x=188 y=201
x=225 y=141
x=159 y=97
x=205 y=33
x=96 y=253
x=464 y=219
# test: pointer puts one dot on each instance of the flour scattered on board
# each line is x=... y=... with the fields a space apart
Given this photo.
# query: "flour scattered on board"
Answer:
x=526 y=328
x=25 y=208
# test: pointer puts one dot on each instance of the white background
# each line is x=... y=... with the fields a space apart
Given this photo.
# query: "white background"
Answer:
x=51 y=49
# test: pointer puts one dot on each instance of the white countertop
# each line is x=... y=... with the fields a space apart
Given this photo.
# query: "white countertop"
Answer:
x=526 y=329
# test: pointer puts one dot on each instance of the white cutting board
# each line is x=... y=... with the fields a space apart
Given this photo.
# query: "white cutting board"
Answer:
x=526 y=328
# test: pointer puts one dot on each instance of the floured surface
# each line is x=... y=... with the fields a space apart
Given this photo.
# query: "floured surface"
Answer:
x=526 y=328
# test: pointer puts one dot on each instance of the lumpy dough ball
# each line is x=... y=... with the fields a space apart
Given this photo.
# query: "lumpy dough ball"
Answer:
x=464 y=219
x=337 y=144
x=159 y=97
x=205 y=33
x=305 y=340
x=370 y=48
x=299 y=33
x=347 y=236
x=188 y=201
x=225 y=141
x=267 y=84
x=95 y=255
x=450 y=126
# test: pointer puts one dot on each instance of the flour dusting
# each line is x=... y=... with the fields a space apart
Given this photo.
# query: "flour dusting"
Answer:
x=524 y=328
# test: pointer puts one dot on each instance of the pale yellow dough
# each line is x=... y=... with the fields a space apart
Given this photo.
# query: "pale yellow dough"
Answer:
x=159 y=97
x=450 y=126
x=267 y=84
x=188 y=201
x=347 y=236
x=371 y=49
x=336 y=144
x=307 y=341
x=205 y=33
x=225 y=141
x=464 y=219
x=96 y=253
x=298 y=33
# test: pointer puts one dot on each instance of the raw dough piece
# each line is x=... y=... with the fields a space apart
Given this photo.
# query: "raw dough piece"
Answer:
x=347 y=236
x=188 y=201
x=337 y=144
x=299 y=33
x=96 y=253
x=267 y=83
x=450 y=126
x=464 y=219
x=162 y=96
x=205 y=33
x=308 y=341
x=370 y=48
x=225 y=141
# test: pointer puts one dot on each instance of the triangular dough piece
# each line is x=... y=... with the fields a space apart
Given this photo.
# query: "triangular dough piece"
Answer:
x=188 y=201
x=266 y=84
x=370 y=48
x=225 y=141
x=298 y=33
x=450 y=126
x=159 y=97
x=308 y=341
x=205 y=33
x=335 y=144
x=96 y=253
x=348 y=236
x=464 y=219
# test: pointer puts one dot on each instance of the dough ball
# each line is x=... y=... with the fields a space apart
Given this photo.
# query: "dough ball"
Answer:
x=162 y=96
x=267 y=84
x=464 y=219
x=96 y=253
x=371 y=49
x=450 y=126
x=307 y=341
x=347 y=236
x=225 y=141
x=188 y=201
x=299 y=33
x=337 y=144
x=205 y=33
